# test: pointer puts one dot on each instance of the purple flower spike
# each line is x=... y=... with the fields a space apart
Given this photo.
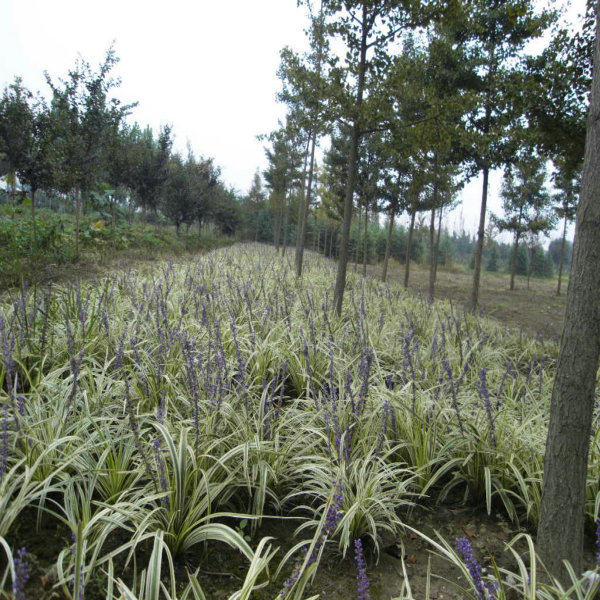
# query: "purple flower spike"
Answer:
x=22 y=572
x=484 y=590
x=361 y=567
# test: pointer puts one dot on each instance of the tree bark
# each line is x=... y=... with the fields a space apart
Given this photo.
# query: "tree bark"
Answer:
x=513 y=260
x=278 y=223
x=77 y=201
x=432 y=257
x=340 y=282
x=437 y=243
x=357 y=243
x=480 y=239
x=286 y=225
x=388 y=242
x=409 y=246
x=562 y=257
x=366 y=241
x=560 y=531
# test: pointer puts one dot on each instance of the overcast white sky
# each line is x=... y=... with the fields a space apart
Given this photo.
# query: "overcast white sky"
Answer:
x=208 y=68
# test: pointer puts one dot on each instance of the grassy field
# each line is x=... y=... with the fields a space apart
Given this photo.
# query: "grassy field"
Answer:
x=210 y=424
x=536 y=310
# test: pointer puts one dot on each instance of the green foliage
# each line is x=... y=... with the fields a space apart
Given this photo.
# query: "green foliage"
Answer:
x=54 y=242
x=541 y=263
x=492 y=260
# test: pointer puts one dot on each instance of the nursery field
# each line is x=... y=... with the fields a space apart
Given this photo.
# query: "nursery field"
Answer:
x=211 y=429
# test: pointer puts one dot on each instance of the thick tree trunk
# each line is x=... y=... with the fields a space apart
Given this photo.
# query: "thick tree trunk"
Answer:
x=411 y=230
x=437 y=243
x=432 y=257
x=560 y=531
x=388 y=243
x=513 y=260
x=562 y=257
x=340 y=282
x=366 y=241
x=480 y=239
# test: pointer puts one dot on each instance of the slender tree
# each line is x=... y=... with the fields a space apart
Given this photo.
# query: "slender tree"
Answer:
x=566 y=208
x=365 y=28
x=526 y=204
x=496 y=32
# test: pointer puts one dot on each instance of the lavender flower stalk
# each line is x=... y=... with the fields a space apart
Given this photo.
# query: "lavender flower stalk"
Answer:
x=361 y=567
x=22 y=573
x=484 y=590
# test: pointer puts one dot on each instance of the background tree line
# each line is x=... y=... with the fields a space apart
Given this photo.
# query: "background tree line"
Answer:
x=77 y=152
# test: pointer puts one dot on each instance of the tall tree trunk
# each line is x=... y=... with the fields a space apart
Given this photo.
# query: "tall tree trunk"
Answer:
x=318 y=240
x=388 y=242
x=513 y=260
x=486 y=176
x=112 y=213
x=529 y=265
x=277 y=227
x=357 y=243
x=432 y=258
x=77 y=202
x=303 y=207
x=437 y=243
x=330 y=251
x=130 y=209
x=33 y=224
x=340 y=281
x=366 y=241
x=411 y=230
x=480 y=239
x=562 y=257
x=560 y=530
x=286 y=225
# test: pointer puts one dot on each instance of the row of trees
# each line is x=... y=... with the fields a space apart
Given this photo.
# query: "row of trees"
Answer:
x=79 y=144
x=416 y=98
x=426 y=96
